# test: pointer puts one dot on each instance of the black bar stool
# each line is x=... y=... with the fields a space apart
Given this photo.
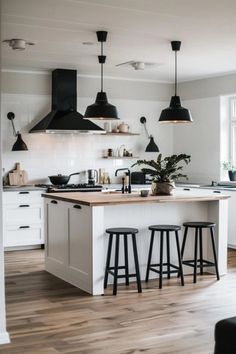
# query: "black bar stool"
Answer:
x=164 y=230
x=117 y=232
x=199 y=263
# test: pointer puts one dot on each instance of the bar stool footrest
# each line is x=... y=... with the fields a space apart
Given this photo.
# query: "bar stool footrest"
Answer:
x=164 y=265
x=111 y=271
x=205 y=263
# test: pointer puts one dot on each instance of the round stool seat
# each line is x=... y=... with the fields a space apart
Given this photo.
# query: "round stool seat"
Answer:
x=201 y=224
x=122 y=230
x=225 y=336
x=165 y=227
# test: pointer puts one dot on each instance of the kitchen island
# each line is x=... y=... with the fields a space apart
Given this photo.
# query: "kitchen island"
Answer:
x=75 y=226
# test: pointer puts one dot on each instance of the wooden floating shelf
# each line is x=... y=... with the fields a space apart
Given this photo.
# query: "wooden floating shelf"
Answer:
x=122 y=134
x=120 y=158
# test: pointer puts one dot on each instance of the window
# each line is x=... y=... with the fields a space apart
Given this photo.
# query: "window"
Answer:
x=232 y=135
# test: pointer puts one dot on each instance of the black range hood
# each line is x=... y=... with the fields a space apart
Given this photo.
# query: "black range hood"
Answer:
x=64 y=117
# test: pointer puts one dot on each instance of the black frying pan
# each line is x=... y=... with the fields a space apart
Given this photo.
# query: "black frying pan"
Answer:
x=60 y=179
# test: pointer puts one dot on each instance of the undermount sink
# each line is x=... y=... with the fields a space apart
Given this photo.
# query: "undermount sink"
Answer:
x=118 y=191
x=111 y=192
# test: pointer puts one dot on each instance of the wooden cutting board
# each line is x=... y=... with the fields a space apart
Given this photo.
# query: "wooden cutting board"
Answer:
x=18 y=177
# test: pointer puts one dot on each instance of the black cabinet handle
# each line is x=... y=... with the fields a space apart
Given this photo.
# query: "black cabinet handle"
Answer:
x=23 y=192
x=76 y=206
x=24 y=227
x=53 y=201
x=24 y=206
x=216 y=191
x=186 y=189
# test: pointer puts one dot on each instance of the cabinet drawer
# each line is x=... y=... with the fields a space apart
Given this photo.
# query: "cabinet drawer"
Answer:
x=22 y=213
x=23 y=235
x=22 y=197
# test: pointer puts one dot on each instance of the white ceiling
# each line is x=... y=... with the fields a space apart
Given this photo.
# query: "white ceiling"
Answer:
x=137 y=30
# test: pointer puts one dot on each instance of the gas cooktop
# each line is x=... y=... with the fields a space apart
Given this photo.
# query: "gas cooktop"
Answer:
x=81 y=187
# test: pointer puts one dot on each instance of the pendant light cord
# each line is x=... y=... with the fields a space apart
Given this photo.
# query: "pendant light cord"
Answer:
x=175 y=73
x=102 y=67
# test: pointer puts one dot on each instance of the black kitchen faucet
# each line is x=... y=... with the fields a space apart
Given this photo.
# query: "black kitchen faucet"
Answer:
x=127 y=189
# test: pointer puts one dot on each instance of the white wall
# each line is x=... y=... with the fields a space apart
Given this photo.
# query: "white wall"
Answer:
x=207 y=138
x=39 y=83
x=211 y=87
x=51 y=154
x=201 y=139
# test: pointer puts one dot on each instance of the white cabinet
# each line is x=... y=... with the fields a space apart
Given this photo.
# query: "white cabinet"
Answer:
x=23 y=218
x=72 y=243
x=56 y=235
x=232 y=219
x=79 y=262
x=231 y=214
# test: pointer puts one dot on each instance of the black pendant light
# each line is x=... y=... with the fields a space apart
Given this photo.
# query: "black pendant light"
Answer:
x=101 y=109
x=19 y=145
x=175 y=113
x=152 y=146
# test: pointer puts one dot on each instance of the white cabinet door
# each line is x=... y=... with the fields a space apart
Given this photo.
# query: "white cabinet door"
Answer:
x=57 y=236
x=79 y=246
x=23 y=213
x=232 y=219
x=74 y=243
x=15 y=236
x=22 y=197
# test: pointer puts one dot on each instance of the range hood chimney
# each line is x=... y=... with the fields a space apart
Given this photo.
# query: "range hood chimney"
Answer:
x=64 y=117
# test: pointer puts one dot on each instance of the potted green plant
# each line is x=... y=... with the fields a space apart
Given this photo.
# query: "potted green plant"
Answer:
x=231 y=168
x=165 y=171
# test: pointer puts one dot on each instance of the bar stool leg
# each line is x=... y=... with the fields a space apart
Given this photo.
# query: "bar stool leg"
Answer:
x=179 y=258
x=126 y=260
x=214 y=253
x=116 y=264
x=168 y=252
x=201 y=251
x=136 y=263
x=184 y=241
x=183 y=245
x=150 y=255
x=161 y=260
x=195 y=256
x=108 y=260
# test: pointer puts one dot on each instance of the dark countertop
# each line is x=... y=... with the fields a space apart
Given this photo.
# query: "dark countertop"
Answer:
x=28 y=188
x=204 y=186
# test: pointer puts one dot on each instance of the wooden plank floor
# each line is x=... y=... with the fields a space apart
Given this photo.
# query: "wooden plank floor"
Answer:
x=45 y=315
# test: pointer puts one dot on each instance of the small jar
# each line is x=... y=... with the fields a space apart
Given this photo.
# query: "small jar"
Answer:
x=114 y=128
x=107 y=127
x=109 y=152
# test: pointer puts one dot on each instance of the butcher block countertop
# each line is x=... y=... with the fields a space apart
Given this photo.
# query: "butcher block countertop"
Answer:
x=116 y=198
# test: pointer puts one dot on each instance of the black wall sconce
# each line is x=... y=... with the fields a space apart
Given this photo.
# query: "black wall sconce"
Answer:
x=19 y=145
x=152 y=146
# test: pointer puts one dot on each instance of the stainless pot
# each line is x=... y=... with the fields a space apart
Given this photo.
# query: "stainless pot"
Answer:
x=92 y=176
x=61 y=179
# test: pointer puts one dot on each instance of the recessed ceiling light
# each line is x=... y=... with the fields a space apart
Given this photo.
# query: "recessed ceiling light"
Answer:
x=17 y=43
x=88 y=43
